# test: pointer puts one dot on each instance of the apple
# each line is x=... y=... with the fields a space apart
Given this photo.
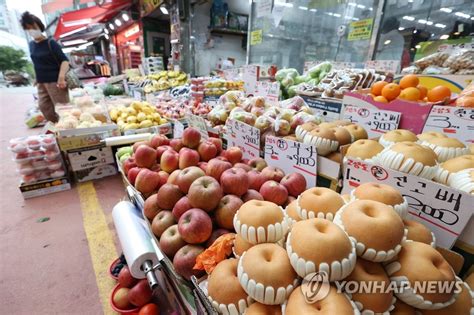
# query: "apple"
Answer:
x=217 y=142
x=140 y=294
x=181 y=207
x=150 y=207
x=191 y=137
x=155 y=167
x=168 y=195
x=163 y=220
x=289 y=200
x=216 y=167
x=120 y=298
x=205 y=193
x=188 y=157
x=234 y=181
x=151 y=309
x=159 y=140
x=187 y=176
x=207 y=150
x=233 y=154
x=243 y=166
x=195 y=226
x=203 y=166
x=222 y=157
x=185 y=259
x=147 y=181
x=161 y=150
x=256 y=179
x=171 y=241
x=295 y=183
x=215 y=235
x=273 y=173
x=173 y=176
x=132 y=174
x=176 y=144
x=274 y=192
x=125 y=278
x=163 y=177
x=226 y=209
x=169 y=161
x=251 y=194
x=258 y=164
x=140 y=143
x=128 y=164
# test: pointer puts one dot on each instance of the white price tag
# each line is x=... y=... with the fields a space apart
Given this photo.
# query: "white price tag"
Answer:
x=137 y=95
x=383 y=65
x=250 y=77
x=292 y=156
x=269 y=90
x=246 y=137
x=444 y=210
x=375 y=121
x=178 y=129
x=455 y=122
x=125 y=86
x=198 y=123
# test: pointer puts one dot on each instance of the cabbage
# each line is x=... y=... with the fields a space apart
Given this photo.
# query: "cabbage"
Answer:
x=315 y=72
x=287 y=81
x=281 y=74
x=292 y=90
x=302 y=78
x=313 y=82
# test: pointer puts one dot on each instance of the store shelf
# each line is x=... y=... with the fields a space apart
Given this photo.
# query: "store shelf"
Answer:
x=227 y=31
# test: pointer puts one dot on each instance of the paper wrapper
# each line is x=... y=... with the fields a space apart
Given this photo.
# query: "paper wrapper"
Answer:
x=401 y=209
x=396 y=161
x=217 y=252
x=231 y=309
x=300 y=133
x=305 y=214
x=363 y=311
x=462 y=180
x=323 y=146
x=442 y=176
x=445 y=153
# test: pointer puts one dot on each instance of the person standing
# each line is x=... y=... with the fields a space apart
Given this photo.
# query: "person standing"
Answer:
x=50 y=64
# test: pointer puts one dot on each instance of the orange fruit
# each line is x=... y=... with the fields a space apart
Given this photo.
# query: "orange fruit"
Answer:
x=423 y=91
x=439 y=93
x=377 y=87
x=391 y=91
x=410 y=94
x=409 y=80
x=380 y=99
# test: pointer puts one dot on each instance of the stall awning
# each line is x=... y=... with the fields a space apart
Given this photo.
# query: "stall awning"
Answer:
x=75 y=21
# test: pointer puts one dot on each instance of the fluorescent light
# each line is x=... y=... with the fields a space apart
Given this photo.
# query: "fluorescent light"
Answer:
x=401 y=28
x=329 y=13
x=85 y=45
x=463 y=15
x=164 y=10
x=361 y=6
x=106 y=36
x=111 y=26
x=77 y=22
x=303 y=8
x=125 y=17
x=74 y=42
x=352 y=4
x=336 y=15
x=410 y=1
x=313 y=10
x=418 y=46
x=445 y=36
x=370 y=9
x=106 y=31
x=456 y=33
x=439 y=25
x=285 y=4
x=388 y=41
x=422 y=21
x=77 y=30
x=408 y=18
x=447 y=10
x=415 y=31
x=429 y=23
x=118 y=22
x=355 y=19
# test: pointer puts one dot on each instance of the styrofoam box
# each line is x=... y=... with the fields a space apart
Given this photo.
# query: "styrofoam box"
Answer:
x=95 y=173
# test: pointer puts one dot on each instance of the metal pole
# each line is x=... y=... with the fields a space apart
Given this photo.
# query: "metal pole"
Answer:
x=375 y=30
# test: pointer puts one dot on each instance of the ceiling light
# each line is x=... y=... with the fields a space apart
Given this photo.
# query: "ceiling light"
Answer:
x=447 y=10
x=355 y=19
x=303 y=8
x=74 y=42
x=164 y=10
x=401 y=28
x=472 y=17
x=439 y=25
x=445 y=36
x=77 y=22
x=329 y=13
x=410 y=1
x=125 y=17
x=361 y=6
x=415 y=31
x=118 y=22
x=370 y=9
x=106 y=36
x=456 y=33
x=111 y=26
x=352 y=4
x=422 y=21
x=418 y=46
x=388 y=41
x=463 y=15
x=337 y=15
x=429 y=23
x=284 y=4
x=106 y=31
x=409 y=18
x=313 y=10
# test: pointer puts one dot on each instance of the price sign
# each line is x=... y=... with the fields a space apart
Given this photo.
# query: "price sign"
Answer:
x=178 y=129
x=250 y=77
x=375 y=121
x=198 y=123
x=269 y=90
x=137 y=95
x=246 y=137
x=383 y=65
x=445 y=210
x=456 y=122
x=292 y=156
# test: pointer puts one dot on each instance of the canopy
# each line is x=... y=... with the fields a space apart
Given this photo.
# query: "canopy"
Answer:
x=75 y=21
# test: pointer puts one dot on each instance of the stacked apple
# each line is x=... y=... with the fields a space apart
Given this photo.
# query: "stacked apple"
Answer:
x=195 y=190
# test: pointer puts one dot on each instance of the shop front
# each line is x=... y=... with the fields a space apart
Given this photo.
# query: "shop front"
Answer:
x=129 y=43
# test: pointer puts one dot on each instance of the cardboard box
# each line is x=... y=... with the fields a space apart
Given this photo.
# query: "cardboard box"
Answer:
x=90 y=158
x=330 y=109
x=88 y=137
x=45 y=187
x=94 y=173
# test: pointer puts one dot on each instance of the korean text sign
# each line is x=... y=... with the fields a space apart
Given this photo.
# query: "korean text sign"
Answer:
x=244 y=136
x=375 y=121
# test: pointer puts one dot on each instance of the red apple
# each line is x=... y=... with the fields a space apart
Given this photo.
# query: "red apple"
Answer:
x=176 y=144
x=120 y=298
x=273 y=173
x=251 y=194
x=169 y=161
x=243 y=166
x=295 y=183
x=132 y=174
x=171 y=241
x=173 y=176
x=222 y=158
x=207 y=150
x=217 y=142
x=147 y=181
x=185 y=259
x=159 y=140
x=205 y=193
x=274 y=192
x=187 y=176
x=140 y=143
x=155 y=167
x=181 y=207
x=203 y=166
x=216 y=167
x=163 y=177
x=234 y=181
x=150 y=207
x=125 y=278
x=191 y=137
x=140 y=294
x=128 y=164
x=163 y=220
x=226 y=209
x=161 y=150
x=215 y=235
x=256 y=179
x=233 y=154
x=168 y=195
x=188 y=157
x=145 y=156
x=258 y=164
x=195 y=226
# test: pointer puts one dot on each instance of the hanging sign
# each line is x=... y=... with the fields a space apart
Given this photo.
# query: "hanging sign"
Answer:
x=359 y=30
x=255 y=37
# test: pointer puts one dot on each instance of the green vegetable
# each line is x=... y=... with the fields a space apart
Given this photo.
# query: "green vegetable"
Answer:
x=302 y=78
x=292 y=91
x=322 y=75
x=110 y=89
x=124 y=157
x=287 y=81
x=124 y=150
x=315 y=72
x=313 y=82
x=281 y=74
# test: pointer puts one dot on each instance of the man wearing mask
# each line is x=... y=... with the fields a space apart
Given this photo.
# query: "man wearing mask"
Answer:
x=391 y=42
x=51 y=66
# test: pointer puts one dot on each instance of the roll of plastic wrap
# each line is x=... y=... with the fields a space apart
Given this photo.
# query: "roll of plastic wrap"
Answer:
x=136 y=241
x=121 y=140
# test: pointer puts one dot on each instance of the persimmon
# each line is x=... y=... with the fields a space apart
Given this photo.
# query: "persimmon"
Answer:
x=410 y=80
x=439 y=93
x=391 y=91
x=410 y=94
x=380 y=99
x=423 y=91
x=377 y=87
